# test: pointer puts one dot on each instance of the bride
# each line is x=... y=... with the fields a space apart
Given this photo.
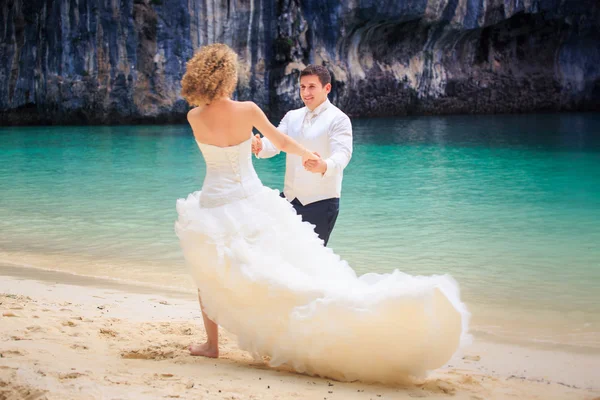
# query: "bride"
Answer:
x=265 y=276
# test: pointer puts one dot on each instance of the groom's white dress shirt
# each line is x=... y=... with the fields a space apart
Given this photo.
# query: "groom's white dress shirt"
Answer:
x=326 y=130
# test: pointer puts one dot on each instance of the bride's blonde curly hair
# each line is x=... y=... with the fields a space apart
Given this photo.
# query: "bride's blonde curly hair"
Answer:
x=210 y=74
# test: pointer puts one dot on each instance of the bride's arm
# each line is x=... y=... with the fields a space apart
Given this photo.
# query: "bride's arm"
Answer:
x=281 y=141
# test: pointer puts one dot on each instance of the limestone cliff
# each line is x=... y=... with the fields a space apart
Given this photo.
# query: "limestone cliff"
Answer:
x=120 y=61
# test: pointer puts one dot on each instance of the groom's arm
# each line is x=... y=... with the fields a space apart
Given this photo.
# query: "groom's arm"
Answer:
x=268 y=149
x=340 y=143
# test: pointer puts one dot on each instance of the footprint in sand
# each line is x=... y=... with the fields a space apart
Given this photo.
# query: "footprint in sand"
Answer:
x=438 y=386
x=472 y=358
x=149 y=353
x=70 y=375
x=79 y=346
x=34 y=328
x=469 y=380
x=12 y=353
x=108 y=332
x=186 y=331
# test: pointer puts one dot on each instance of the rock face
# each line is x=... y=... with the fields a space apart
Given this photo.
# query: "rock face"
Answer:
x=121 y=61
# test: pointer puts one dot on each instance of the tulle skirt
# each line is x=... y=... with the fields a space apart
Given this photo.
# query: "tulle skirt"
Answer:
x=265 y=276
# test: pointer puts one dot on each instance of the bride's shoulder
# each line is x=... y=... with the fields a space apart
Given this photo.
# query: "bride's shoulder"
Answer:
x=248 y=105
x=194 y=112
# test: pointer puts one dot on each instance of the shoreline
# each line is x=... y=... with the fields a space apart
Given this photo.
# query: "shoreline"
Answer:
x=135 y=338
x=65 y=277
x=486 y=328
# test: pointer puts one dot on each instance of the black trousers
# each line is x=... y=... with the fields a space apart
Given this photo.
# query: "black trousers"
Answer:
x=322 y=214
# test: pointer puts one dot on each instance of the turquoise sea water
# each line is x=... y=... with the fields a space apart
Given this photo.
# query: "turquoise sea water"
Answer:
x=508 y=205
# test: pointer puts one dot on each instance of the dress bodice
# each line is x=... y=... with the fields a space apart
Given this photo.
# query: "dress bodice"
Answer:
x=230 y=175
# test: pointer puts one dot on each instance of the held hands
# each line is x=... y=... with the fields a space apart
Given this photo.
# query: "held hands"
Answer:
x=307 y=156
x=315 y=164
x=256 y=144
x=311 y=161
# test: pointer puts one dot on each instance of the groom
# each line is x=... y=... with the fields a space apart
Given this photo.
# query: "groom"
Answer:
x=314 y=188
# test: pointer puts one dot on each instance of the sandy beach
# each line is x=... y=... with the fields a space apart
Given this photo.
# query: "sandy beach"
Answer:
x=66 y=337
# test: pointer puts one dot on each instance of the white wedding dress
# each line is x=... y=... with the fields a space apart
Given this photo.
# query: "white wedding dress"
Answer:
x=265 y=276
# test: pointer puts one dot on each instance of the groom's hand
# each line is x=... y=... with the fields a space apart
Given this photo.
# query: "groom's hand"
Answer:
x=256 y=144
x=316 y=166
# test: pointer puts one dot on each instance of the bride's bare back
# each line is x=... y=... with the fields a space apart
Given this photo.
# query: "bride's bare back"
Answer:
x=223 y=123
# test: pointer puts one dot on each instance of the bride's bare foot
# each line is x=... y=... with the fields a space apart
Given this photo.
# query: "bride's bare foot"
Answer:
x=205 y=350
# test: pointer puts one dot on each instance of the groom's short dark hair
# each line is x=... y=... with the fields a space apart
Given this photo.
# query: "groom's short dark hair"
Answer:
x=320 y=71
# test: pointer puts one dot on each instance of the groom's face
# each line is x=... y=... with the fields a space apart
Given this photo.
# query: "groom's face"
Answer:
x=312 y=92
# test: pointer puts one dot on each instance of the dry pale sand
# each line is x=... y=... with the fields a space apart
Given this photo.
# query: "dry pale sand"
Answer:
x=64 y=341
